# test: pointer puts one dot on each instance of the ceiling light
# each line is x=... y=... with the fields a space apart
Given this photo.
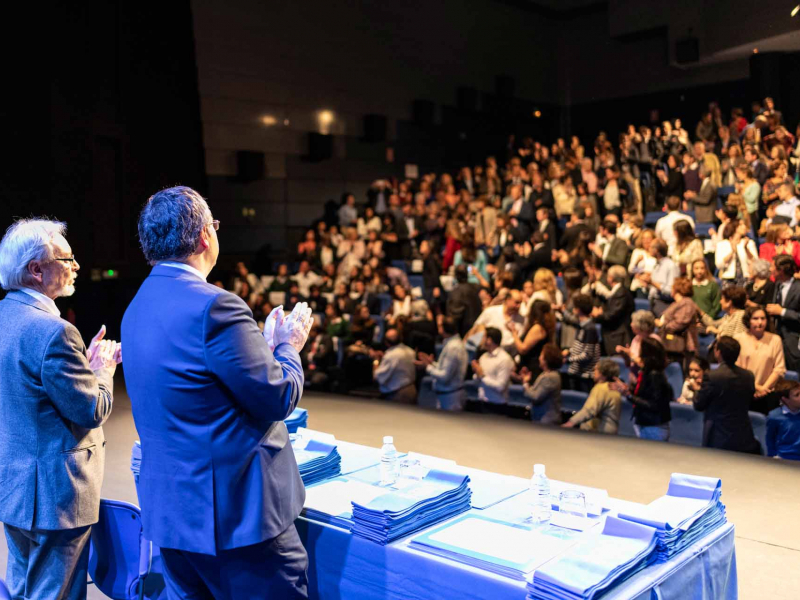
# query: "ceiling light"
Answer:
x=796 y=10
x=268 y=120
x=755 y=50
x=537 y=113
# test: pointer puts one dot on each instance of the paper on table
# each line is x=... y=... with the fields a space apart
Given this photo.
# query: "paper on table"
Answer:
x=312 y=434
x=575 y=522
x=490 y=488
x=334 y=497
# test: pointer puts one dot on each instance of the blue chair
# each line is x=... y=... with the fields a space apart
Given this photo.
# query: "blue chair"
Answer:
x=704 y=343
x=641 y=304
x=516 y=396
x=4 y=593
x=651 y=217
x=437 y=349
x=471 y=389
x=701 y=229
x=626 y=420
x=400 y=264
x=674 y=374
x=119 y=556
x=624 y=371
x=417 y=281
x=386 y=302
x=791 y=376
x=561 y=285
x=686 y=426
x=759 y=423
x=427 y=397
x=380 y=329
x=572 y=400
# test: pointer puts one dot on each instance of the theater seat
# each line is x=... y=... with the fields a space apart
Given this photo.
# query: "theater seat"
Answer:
x=759 y=423
x=686 y=426
x=516 y=396
x=626 y=419
x=791 y=376
x=471 y=389
x=674 y=374
x=641 y=304
x=427 y=397
x=573 y=401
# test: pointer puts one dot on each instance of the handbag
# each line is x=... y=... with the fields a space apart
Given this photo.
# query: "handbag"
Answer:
x=675 y=343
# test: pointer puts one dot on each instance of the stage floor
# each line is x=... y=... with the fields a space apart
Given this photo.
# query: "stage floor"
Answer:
x=761 y=494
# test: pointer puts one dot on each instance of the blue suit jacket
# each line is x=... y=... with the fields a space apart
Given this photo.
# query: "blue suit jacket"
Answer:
x=209 y=399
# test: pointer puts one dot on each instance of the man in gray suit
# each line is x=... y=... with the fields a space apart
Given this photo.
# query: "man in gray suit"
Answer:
x=54 y=396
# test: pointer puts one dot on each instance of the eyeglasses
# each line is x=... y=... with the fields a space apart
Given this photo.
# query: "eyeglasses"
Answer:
x=70 y=259
x=214 y=224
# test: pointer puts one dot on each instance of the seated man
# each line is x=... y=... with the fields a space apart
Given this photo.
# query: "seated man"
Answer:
x=725 y=398
x=783 y=425
x=493 y=370
x=603 y=407
x=449 y=371
x=395 y=372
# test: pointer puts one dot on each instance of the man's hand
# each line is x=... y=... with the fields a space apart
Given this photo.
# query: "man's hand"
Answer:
x=95 y=343
x=476 y=368
x=104 y=356
x=294 y=329
x=271 y=324
x=597 y=311
x=423 y=360
x=774 y=310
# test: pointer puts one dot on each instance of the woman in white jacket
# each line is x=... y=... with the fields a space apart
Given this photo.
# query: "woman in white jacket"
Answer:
x=735 y=254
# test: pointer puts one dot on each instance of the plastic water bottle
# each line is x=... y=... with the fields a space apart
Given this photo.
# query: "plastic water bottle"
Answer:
x=541 y=508
x=388 y=461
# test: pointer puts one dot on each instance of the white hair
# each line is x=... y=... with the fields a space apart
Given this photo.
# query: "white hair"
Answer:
x=26 y=240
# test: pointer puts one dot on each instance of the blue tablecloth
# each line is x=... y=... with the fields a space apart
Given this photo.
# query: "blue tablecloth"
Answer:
x=342 y=566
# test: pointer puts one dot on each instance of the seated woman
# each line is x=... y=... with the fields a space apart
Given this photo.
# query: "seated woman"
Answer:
x=762 y=354
x=733 y=301
x=688 y=248
x=705 y=290
x=678 y=324
x=650 y=394
x=698 y=367
x=545 y=391
x=761 y=290
x=603 y=407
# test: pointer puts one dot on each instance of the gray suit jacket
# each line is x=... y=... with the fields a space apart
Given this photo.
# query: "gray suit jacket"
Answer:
x=51 y=408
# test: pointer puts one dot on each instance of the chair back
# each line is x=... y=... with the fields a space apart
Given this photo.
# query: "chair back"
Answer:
x=572 y=400
x=4 y=593
x=119 y=556
x=686 y=426
x=426 y=397
x=759 y=423
x=674 y=374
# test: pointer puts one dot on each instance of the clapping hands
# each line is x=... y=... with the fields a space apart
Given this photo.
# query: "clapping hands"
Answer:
x=293 y=330
x=102 y=353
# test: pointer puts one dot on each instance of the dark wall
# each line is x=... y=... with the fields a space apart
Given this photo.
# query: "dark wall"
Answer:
x=103 y=111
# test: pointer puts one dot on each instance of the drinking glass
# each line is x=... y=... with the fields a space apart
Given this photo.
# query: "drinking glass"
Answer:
x=573 y=503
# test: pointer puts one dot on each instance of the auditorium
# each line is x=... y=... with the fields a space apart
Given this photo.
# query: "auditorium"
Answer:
x=423 y=300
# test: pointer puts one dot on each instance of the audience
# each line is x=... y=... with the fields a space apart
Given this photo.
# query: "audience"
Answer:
x=449 y=371
x=493 y=370
x=761 y=353
x=395 y=371
x=545 y=392
x=603 y=407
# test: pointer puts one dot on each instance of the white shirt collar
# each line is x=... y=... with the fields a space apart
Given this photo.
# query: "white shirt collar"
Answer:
x=48 y=302
x=184 y=267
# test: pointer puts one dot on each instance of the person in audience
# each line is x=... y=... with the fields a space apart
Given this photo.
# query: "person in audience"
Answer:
x=659 y=282
x=463 y=302
x=749 y=189
x=545 y=391
x=724 y=399
x=665 y=225
x=475 y=259
x=394 y=371
x=788 y=203
x=705 y=290
x=401 y=305
x=348 y=214
x=641 y=260
x=541 y=331
x=335 y=325
x=678 y=324
x=420 y=331
x=785 y=309
x=687 y=249
x=643 y=326
x=282 y=281
x=735 y=255
x=603 y=407
x=449 y=371
x=669 y=181
x=697 y=369
x=584 y=353
x=615 y=314
x=650 y=394
x=613 y=250
x=493 y=371
x=761 y=289
x=733 y=301
x=545 y=288
x=762 y=354
x=783 y=425
x=362 y=325
x=705 y=198
x=502 y=317
x=318 y=357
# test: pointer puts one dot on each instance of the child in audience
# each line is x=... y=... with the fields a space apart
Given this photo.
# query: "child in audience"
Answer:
x=783 y=425
x=697 y=368
x=603 y=407
x=584 y=352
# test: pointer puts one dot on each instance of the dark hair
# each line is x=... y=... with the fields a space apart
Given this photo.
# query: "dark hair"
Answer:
x=735 y=295
x=608 y=369
x=653 y=356
x=683 y=231
x=673 y=203
x=540 y=313
x=388 y=338
x=683 y=286
x=461 y=273
x=610 y=226
x=730 y=229
x=493 y=333
x=573 y=279
x=784 y=264
x=552 y=356
x=170 y=223
x=583 y=303
x=749 y=312
x=659 y=245
x=730 y=211
x=449 y=326
x=729 y=349
x=701 y=362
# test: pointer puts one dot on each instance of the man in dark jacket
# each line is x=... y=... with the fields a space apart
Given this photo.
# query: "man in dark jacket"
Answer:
x=725 y=397
x=615 y=316
x=785 y=309
x=464 y=303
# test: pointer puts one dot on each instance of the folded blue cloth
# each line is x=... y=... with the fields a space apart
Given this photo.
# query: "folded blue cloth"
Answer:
x=298 y=418
x=317 y=461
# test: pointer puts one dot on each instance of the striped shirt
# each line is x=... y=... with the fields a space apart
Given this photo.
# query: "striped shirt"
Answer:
x=584 y=353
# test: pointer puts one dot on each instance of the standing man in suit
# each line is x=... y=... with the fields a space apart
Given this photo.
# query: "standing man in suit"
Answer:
x=54 y=397
x=463 y=302
x=613 y=251
x=724 y=398
x=615 y=316
x=219 y=485
x=785 y=308
x=705 y=200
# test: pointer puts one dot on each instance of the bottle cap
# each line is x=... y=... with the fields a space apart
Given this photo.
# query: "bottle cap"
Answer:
x=387 y=439
x=538 y=469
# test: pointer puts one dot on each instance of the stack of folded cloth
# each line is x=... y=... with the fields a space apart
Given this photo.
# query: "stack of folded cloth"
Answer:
x=410 y=505
x=596 y=563
x=690 y=510
x=298 y=418
x=317 y=460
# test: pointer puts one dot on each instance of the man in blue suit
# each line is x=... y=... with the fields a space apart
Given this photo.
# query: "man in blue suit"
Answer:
x=219 y=485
